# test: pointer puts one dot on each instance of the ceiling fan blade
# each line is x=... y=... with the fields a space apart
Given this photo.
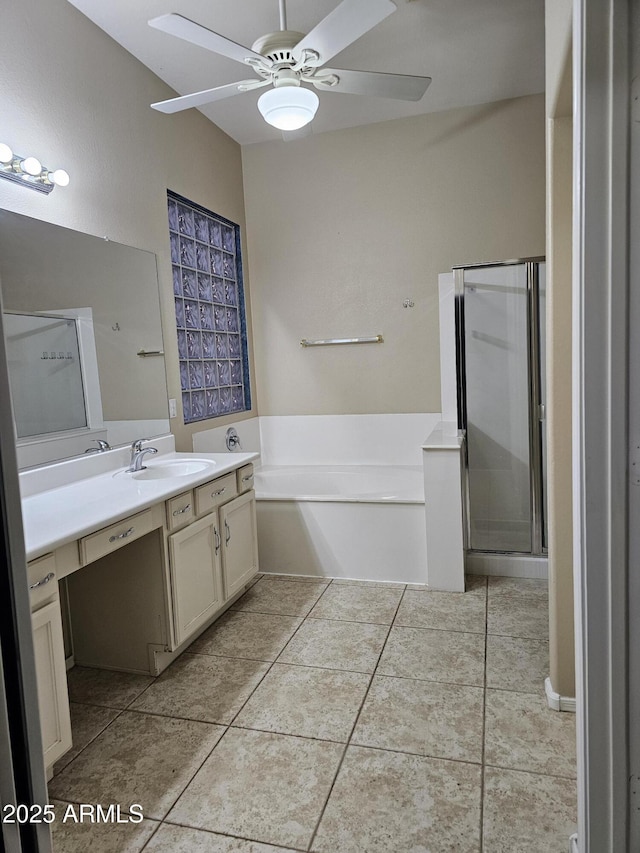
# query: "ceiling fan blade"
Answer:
x=207 y=96
x=404 y=87
x=348 y=21
x=183 y=28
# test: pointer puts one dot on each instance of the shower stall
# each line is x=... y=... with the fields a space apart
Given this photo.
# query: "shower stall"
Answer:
x=500 y=355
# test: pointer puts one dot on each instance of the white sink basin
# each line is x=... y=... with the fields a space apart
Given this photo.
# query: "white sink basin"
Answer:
x=173 y=468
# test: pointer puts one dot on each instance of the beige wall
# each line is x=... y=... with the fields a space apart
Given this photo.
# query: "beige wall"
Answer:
x=559 y=363
x=75 y=99
x=345 y=226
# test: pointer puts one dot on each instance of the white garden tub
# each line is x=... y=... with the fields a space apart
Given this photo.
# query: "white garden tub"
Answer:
x=362 y=522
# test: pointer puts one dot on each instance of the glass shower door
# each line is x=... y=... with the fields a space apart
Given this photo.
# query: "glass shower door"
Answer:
x=496 y=344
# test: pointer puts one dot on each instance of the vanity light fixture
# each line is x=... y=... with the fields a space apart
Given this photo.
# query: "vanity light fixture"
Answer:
x=29 y=171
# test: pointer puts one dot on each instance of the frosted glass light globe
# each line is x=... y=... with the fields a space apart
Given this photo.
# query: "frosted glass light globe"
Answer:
x=288 y=107
x=60 y=178
x=6 y=154
x=31 y=165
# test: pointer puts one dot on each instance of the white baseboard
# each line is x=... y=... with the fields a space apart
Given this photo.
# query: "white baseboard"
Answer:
x=557 y=702
x=506 y=565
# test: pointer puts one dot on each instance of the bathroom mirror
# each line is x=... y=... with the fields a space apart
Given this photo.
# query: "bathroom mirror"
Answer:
x=82 y=318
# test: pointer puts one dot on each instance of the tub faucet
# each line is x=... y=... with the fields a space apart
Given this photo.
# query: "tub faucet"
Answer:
x=138 y=452
x=232 y=439
x=102 y=446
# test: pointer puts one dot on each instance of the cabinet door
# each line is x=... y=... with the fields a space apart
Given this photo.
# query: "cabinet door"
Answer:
x=51 y=675
x=240 y=542
x=195 y=575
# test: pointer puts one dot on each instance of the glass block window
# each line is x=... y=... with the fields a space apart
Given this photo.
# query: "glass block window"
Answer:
x=210 y=315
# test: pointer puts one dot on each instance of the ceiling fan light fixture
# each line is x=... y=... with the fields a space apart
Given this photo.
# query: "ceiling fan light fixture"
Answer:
x=288 y=107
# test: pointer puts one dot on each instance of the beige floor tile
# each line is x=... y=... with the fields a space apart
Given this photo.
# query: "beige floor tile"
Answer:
x=448 y=611
x=72 y=836
x=527 y=813
x=182 y=839
x=301 y=700
x=523 y=733
x=285 y=598
x=262 y=786
x=423 y=717
x=353 y=646
x=532 y=587
x=516 y=663
x=386 y=801
x=105 y=687
x=358 y=604
x=237 y=634
x=139 y=758
x=518 y=607
x=434 y=655
x=87 y=721
x=202 y=687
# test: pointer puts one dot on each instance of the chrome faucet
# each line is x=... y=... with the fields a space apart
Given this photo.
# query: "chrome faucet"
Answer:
x=138 y=452
x=102 y=446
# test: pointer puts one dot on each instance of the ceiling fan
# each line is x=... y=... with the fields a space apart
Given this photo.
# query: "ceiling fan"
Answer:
x=286 y=59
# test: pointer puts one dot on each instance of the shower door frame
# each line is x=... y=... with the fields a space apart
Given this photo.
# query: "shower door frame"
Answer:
x=536 y=407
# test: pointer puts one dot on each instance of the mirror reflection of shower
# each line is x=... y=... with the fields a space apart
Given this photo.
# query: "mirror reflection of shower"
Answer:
x=500 y=337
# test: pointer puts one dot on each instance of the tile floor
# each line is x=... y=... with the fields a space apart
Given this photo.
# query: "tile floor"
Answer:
x=334 y=717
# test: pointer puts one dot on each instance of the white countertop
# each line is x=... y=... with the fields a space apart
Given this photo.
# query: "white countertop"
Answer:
x=63 y=514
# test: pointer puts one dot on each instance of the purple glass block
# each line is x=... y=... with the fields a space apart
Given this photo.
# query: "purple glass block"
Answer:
x=191 y=314
x=237 y=399
x=236 y=373
x=234 y=346
x=185 y=220
x=213 y=402
x=175 y=248
x=216 y=261
x=215 y=233
x=194 y=345
x=228 y=239
x=230 y=296
x=217 y=286
x=187 y=252
x=184 y=375
x=196 y=374
x=224 y=372
x=179 y=313
x=202 y=257
x=221 y=346
x=189 y=284
x=201 y=223
x=182 y=344
x=208 y=345
x=173 y=214
x=210 y=375
x=197 y=405
x=225 y=399
x=220 y=317
x=177 y=280
x=206 y=316
x=186 y=406
x=232 y=319
x=204 y=287
x=228 y=266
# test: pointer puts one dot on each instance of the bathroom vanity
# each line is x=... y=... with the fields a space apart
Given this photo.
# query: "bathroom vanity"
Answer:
x=135 y=565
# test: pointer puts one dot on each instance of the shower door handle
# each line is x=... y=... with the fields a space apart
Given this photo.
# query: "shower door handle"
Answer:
x=542 y=412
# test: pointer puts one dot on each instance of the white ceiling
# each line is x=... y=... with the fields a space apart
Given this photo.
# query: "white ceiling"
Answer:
x=476 y=51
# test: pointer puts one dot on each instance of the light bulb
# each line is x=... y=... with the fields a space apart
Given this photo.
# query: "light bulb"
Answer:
x=6 y=154
x=288 y=107
x=60 y=178
x=31 y=165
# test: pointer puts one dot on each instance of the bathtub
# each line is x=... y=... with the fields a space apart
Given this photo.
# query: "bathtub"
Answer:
x=360 y=522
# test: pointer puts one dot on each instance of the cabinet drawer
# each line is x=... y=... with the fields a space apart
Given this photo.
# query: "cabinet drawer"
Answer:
x=43 y=580
x=115 y=536
x=245 y=478
x=180 y=510
x=215 y=493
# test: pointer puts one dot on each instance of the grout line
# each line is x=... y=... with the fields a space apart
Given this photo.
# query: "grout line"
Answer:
x=215 y=832
x=531 y=772
x=353 y=727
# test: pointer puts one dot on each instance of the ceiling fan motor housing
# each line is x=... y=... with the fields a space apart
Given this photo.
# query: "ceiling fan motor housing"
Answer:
x=278 y=46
